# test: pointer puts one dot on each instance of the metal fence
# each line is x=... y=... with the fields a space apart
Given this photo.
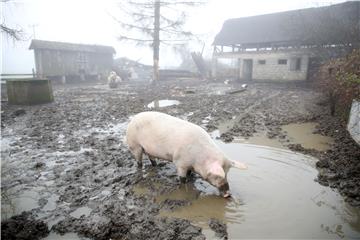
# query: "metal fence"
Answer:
x=5 y=77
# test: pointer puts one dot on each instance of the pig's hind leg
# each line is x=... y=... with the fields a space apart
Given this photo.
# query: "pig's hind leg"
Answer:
x=152 y=160
x=138 y=154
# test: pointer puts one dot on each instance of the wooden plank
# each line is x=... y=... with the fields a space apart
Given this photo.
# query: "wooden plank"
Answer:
x=236 y=91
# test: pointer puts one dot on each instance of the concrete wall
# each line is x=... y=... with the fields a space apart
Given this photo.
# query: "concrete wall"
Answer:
x=29 y=91
x=272 y=70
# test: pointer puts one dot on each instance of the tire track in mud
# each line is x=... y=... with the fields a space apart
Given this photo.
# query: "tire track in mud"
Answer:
x=250 y=120
x=274 y=107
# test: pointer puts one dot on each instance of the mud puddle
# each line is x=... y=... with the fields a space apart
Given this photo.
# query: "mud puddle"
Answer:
x=302 y=133
x=276 y=197
x=296 y=133
x=11 y=206
x=67 y=236
x=258 y=139
x=162 y=103
x=82 y=211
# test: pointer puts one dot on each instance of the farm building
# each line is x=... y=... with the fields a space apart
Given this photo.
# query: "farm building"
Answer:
x=71 y=62
x=285 y=45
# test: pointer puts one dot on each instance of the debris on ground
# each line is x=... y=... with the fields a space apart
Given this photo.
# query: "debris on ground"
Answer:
x=219 y=228
x=23 y=226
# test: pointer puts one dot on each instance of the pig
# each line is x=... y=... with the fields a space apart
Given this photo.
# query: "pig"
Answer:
x=187 y=145
x=113 y=80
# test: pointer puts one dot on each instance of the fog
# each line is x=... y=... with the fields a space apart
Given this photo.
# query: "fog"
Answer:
x=90 y=22
x=260 y=139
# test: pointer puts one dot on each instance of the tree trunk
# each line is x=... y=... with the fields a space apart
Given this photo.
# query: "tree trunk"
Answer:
x=156 y=43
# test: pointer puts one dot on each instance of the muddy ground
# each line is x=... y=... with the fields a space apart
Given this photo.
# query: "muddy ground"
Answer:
x=69 y=155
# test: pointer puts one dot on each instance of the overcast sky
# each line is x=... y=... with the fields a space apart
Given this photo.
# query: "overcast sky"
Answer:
x=89 y=22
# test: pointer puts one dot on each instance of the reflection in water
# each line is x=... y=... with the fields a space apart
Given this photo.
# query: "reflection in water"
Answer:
x=276 y=197
x=184 y=192
x=203 y=207
x=162 y=103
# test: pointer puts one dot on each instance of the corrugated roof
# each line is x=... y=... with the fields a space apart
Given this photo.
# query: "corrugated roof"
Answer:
x=325 y=25
x=41 y=44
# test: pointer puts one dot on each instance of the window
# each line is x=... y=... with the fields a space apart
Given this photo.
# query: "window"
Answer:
x=295 y=64
x=282 y=61
x=261 y=62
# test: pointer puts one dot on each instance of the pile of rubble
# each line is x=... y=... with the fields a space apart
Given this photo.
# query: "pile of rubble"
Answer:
x=132 y=70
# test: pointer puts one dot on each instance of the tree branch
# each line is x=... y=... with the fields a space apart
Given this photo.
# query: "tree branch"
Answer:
x=131 y=26
x=125 y=38
x=16 y=34
x=184 y=3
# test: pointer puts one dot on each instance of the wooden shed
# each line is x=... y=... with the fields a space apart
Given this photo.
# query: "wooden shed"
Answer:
x=282 y=46
x=70 y=61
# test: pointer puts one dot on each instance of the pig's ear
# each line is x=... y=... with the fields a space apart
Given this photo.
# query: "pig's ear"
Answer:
x=238 y=165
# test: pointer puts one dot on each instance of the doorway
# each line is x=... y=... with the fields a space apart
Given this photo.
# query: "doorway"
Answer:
x=247 y=69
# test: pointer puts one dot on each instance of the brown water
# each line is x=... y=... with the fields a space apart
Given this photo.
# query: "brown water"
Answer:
x=162 y=103
x=258 y=139
x=296 y=133
x=276 y=197
x=302 y=133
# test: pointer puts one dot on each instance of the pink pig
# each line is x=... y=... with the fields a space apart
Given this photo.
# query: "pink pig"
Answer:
x=189 y=146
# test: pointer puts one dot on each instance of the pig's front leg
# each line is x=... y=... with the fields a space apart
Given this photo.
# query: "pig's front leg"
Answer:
x=182 y=173
x=190 y=175
x=152 y=160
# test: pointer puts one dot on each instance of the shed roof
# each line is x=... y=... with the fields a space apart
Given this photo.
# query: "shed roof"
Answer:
x=41 y=44
x=323 y=25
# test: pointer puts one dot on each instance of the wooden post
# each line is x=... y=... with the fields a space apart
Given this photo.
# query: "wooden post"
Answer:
x=156 y=42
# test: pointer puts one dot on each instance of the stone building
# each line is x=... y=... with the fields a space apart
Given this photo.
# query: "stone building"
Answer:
x=286 y=45
x=70 y=61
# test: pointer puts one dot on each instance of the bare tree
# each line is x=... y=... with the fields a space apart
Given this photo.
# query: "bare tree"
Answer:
x=155 y=22
x=13 y=33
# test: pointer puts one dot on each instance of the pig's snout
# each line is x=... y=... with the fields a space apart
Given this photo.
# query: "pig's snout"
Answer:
x=225 y=190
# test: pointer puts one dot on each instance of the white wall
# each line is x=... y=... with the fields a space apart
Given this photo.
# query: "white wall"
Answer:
x=271 y=70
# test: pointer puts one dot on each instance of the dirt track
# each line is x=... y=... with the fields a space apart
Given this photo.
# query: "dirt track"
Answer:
x=71 y=152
